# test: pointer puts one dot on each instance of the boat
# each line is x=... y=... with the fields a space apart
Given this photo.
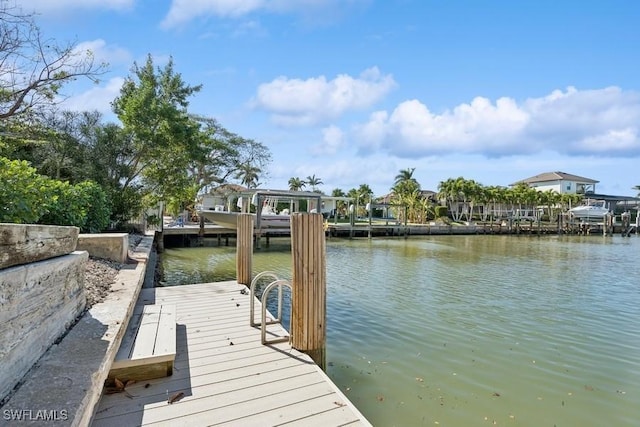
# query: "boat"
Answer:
x=217 y=209
x=227 y=219
x=595 y=209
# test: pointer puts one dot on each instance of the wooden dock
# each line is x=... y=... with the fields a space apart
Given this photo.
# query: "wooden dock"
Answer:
x=223 y=375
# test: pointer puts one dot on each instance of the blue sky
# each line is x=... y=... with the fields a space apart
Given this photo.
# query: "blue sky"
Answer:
x=352 y=91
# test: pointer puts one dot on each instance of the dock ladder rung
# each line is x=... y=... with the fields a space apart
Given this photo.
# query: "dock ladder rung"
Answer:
x=279 y=283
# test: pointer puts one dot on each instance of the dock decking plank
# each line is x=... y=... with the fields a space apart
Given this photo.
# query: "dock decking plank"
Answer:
x=226 y=376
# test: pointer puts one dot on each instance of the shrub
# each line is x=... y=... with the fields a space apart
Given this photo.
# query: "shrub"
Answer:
x=84 y=205
x=27 y=197
x=126 y=204
x=97 y=206
x=440 y=211
x=64 y=206
x=22 y=192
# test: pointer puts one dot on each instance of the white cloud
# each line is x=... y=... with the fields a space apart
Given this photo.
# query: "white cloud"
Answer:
x=96 y=98
x=104 y=53
x=305 y=102
x=183 y=11
x=66 y=5
x=333 y=139
x=603 y=122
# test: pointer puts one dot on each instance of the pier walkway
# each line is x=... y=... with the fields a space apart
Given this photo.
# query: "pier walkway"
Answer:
x=223 y=375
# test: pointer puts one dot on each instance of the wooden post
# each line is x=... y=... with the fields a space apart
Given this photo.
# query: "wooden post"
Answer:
x=201 y=230
x=244 y=249
x=159 y=241
x=309 y=286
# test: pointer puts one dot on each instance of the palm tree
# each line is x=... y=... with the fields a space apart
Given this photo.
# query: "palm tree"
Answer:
x=337 y=192
x=451 y=191
x=637 y=188
x=406 y=192
x=248 y=174
x=314 y=182
x=296 y=184
x=405 y=175
x=341 y=206
x=365 y=193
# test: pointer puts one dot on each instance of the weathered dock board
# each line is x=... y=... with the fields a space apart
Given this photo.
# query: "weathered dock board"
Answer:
x=223 y=375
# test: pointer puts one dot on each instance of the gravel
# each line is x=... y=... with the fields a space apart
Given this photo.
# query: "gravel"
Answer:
x=100 y=274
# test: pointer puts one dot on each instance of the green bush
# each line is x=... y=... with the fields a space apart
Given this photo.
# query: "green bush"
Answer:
x=126 y=204
x=27 y=198
x=97 y=206
x=440 y=211
x=22 y=192
x=64 y=205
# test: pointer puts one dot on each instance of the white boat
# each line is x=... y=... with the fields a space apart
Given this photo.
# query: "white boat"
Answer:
x=217 y=209
x=596 y=209
x=230 y=219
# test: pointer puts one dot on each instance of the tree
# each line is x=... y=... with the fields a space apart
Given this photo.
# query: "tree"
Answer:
x=248 y=175
x=637 y=188
x=61 y=153
x=405 y=175
x=361 y=196
x=34 y=69
x=164 y=139
x=365 y=193
x=313 y=181
x=222 y=155
x=296 y=184
x=406 y=194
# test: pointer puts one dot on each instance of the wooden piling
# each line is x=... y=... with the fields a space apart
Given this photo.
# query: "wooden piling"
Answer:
x=201 y=230
x=309 y=286
x=159 y=242
x=244 y=246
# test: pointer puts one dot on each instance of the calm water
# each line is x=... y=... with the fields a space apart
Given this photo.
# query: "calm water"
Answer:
x=472 y=330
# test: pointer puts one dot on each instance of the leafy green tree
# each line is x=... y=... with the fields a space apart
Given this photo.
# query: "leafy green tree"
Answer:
x=152 y=107
x=221 y=155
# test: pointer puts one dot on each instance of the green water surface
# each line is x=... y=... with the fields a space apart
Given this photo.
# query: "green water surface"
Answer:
x=472 y=330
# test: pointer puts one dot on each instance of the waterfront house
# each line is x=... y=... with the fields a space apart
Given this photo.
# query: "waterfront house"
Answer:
x=560 y=182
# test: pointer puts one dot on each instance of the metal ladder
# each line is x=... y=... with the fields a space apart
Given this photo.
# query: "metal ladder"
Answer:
x=279 y=283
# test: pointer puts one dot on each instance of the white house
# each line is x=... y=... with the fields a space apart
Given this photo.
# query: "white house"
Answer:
x=561 y=182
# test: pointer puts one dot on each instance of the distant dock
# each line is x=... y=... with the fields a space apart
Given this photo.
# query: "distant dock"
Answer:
x=223 y=375
x=191 y=233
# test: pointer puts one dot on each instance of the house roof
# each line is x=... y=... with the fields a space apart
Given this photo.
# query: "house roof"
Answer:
x=611 y=198
x=556 y=176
